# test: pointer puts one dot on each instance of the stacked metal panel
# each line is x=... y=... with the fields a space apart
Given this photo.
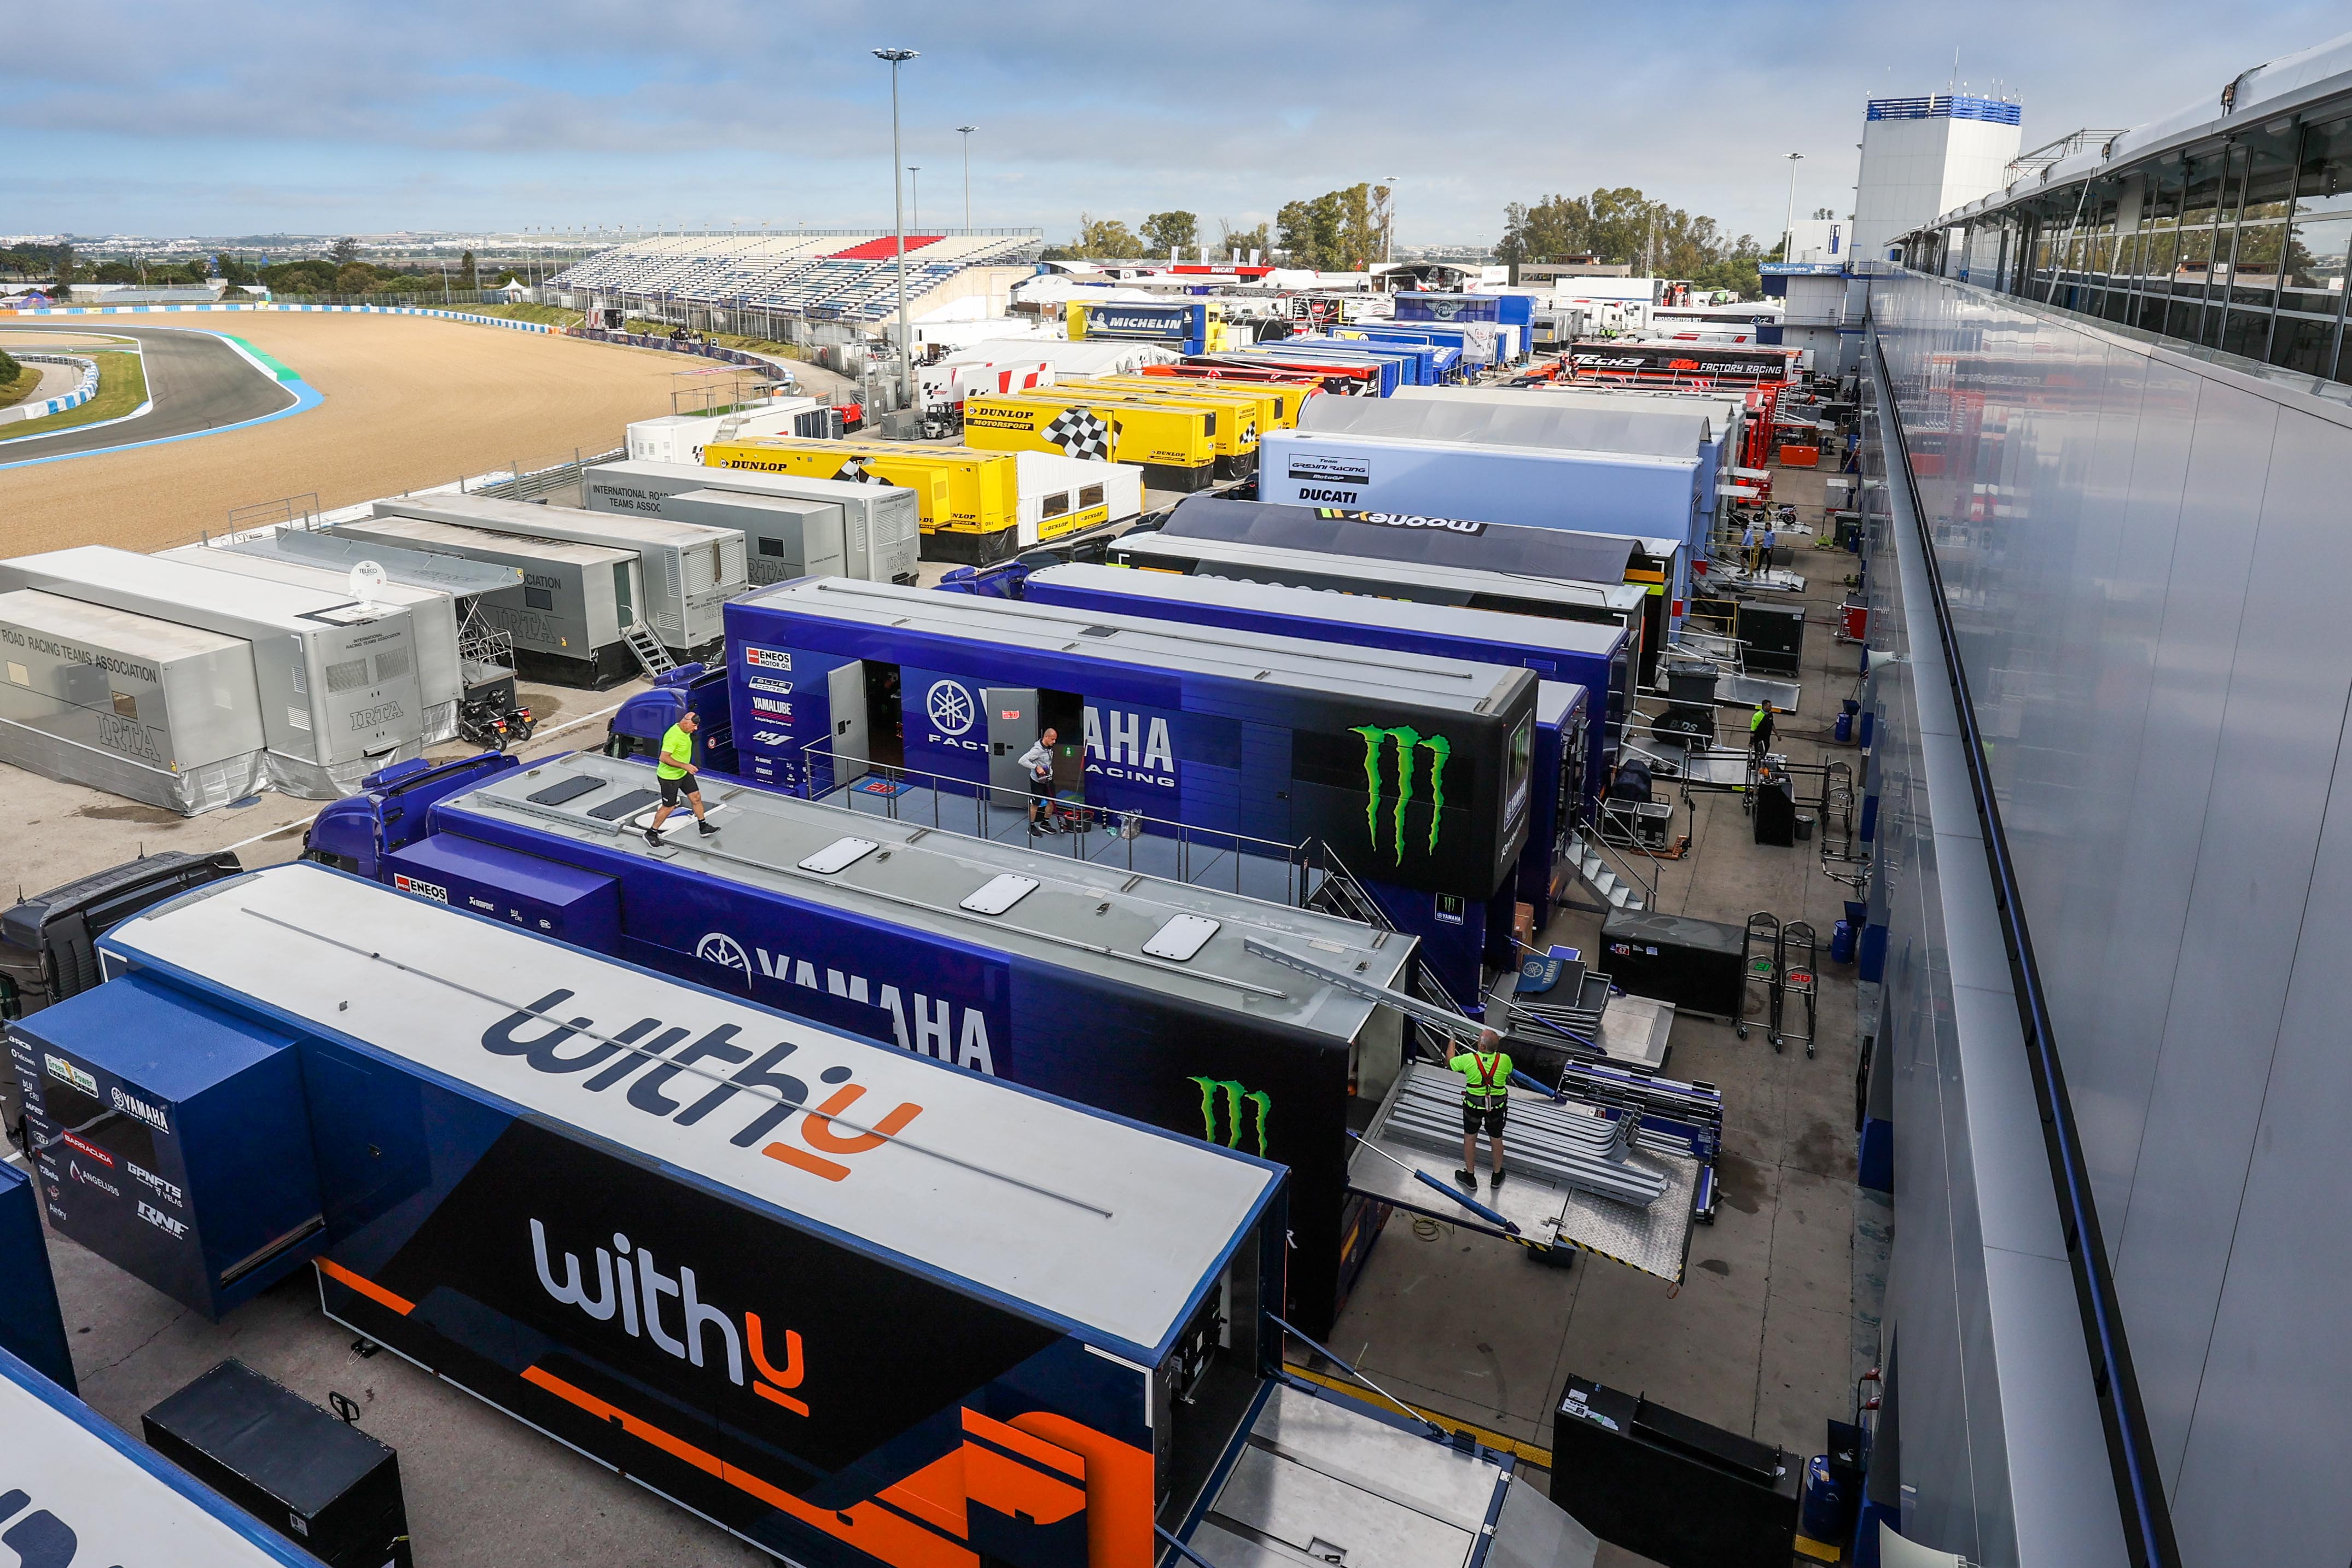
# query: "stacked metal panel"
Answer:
x=1562 y=1144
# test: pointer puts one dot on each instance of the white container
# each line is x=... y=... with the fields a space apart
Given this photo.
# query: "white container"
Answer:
x=949 y=383
x=431 y=612
x=680 y=437
x=784 y=536
x=690 y=570
x=567 y=615
x=340 y=697
x=144 y=709
x=1061 y=496
x=883 y=523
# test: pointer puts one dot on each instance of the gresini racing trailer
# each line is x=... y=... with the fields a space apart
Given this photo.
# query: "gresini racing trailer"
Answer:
x=1637 y=494
x=1130 y=994
x=82 y=1491
x=1416 y=777
x=853 y=1306
x=336 y=678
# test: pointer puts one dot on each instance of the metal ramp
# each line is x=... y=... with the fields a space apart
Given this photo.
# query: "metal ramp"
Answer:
x=652 y=657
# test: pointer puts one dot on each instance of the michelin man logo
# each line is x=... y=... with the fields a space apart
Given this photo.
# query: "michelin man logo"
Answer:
x=948 y=707
x=724 y=951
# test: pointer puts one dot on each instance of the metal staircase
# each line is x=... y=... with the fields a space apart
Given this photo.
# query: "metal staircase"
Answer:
x=1610 y=878
x=652 y=657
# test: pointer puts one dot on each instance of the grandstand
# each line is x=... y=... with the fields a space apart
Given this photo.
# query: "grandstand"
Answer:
x=834 y=276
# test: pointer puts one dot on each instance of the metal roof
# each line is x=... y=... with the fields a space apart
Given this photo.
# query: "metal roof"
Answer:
x=425 y=535
x=452 y=575
x=1544 y=631
x=2280 y=87
x=1084 y=916
x=1278 y=662
x=1531 y=421
x=619 y=530
x=1219 y=558
x=1109 y=1226
x=116 y=631
x=191 y=594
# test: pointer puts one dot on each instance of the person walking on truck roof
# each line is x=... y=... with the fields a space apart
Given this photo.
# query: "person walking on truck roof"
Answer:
x=676 y=771
x=1486 y=1072
x=1038 y=762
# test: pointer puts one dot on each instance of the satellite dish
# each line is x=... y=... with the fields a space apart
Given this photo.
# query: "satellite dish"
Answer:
x=367 y=580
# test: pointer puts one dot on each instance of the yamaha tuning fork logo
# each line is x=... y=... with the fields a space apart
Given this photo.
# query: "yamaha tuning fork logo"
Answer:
x=949 y=705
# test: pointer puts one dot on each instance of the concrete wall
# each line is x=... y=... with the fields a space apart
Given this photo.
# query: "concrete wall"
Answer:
x=2144 y=554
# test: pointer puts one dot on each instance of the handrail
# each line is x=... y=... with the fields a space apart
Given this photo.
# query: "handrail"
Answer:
x=1297 y=860
x=2131 y=1449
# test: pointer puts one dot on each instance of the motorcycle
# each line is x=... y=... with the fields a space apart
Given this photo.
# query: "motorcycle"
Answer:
x=481 y=723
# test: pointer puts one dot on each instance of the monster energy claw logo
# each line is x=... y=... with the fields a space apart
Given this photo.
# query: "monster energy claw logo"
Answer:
x=1408 y=741
x=1234 y=1097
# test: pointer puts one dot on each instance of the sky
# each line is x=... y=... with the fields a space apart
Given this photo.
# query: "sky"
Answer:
x=322 y=116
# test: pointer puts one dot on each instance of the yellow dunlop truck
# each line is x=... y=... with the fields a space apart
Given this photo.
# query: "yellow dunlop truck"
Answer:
x=1277 y=406
x=1174 y=443
x=975 y=507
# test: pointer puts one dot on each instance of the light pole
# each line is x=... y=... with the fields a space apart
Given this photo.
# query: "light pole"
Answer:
x=915 y=192
x=1389 y=249
x=965 y=131
x=898 y=216
x=1788 y=233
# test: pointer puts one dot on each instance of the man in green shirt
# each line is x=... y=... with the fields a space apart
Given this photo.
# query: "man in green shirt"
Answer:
x=1486 y=1072
x=676 y=771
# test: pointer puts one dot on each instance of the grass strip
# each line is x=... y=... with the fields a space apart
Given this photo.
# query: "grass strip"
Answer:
x=122 y=387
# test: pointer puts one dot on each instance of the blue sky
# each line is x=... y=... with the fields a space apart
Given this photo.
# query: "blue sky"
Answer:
x=322 y=116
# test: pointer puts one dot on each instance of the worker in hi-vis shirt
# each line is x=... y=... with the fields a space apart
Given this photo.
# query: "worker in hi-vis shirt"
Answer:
x=1485 y=1069
x=676 y=771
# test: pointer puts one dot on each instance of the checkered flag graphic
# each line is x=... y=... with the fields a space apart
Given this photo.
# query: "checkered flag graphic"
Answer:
x=855 y=472
x=1079 y=434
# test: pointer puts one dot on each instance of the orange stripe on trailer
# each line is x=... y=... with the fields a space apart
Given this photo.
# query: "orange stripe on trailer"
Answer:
x=867 y=1526
x=1119 y=1490
x=368 y=1288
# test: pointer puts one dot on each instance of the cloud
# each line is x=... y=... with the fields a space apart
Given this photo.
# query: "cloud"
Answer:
x=326 y=116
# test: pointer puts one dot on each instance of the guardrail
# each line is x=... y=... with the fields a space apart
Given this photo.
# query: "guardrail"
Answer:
x=83 y=391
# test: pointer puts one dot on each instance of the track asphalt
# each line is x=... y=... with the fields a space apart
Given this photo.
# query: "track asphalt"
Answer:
x=196 y=382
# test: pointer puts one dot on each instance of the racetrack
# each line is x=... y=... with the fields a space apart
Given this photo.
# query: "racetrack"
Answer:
x=408 y=401
x=197 y=383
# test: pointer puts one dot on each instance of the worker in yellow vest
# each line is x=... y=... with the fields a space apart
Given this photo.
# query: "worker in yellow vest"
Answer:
x=1486 y=1072
x=675 y=773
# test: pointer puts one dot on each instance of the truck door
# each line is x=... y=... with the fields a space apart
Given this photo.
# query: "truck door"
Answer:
x=1011 y=730
x=1266 y=781
x=845 y=691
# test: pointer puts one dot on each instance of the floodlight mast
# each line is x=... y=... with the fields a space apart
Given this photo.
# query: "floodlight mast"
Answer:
x=898 y=58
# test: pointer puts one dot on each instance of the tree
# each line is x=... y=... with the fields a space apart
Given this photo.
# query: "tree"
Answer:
x=1625 y=226
x=1339 y=231
x=466 y=277
x=116 y=272
x=64 y=289
x=1248 y=241
x=1177 y=230
x=354 y=277
x=345 y=251
x=1108 y=239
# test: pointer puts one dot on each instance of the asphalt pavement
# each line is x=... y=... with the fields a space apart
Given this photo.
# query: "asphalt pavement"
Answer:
x=196 y=382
